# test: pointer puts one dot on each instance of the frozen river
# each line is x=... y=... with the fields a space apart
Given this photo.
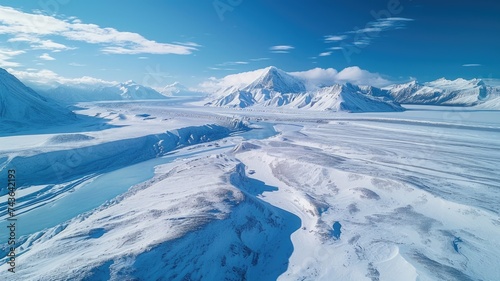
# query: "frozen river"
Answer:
x=94 y=192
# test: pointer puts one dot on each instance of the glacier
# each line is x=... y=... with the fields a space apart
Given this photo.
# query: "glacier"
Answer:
x=171 y=189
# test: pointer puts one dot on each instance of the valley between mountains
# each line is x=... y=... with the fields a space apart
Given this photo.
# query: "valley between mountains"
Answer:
x=265 y=176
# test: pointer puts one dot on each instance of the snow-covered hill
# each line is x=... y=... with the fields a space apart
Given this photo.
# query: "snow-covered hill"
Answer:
x=21 y=104
x=276 y=88
x=129 y=90
x=459 y=92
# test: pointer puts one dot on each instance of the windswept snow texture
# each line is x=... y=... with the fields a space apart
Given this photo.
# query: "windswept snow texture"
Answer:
x=20 y=104
x=200 y=229
x=272 y=87
x=410 y=195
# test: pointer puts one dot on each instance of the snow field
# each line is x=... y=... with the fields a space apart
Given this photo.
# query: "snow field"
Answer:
x=393 y=226
x=415 y=193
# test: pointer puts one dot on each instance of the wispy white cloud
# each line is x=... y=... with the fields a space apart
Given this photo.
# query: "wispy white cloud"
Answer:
x=335 y=48
x=76 y=64
x=37 y=43
x=366 y=30
x=46 y=56
x=190 y=44
x=15 y=22
x=47 y=78
x=471 y=64
x=281 y=49
x=220 y=68
x=231 y=63
x=260 y=59
x=382 y=24
x=334 y=38
x=6 y=55
x=362 y=43
x=325 y=54
x=362 y=37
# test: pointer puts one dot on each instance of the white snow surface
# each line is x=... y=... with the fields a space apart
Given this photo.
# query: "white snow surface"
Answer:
x=415 y=194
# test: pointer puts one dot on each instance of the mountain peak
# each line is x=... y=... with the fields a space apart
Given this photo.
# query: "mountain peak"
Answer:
x=271 y=69
x=275 y=79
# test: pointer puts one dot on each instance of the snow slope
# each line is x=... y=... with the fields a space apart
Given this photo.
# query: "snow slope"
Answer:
x=196 y=226
x=459 y=92
x=20 y=104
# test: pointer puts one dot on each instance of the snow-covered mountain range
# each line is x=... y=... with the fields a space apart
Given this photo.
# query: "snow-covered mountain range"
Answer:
x=21 y=104
x=459 y=92
x=267 y=87
x=129 y=90
x=178 y=90
x=274 y=87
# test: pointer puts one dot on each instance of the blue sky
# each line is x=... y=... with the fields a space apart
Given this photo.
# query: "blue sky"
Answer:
x=159 y=42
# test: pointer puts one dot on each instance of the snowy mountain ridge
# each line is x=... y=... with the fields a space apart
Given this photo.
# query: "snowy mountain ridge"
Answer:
x=458 y=92
x=21 y=104
x=176 y=89
x=272 y=87
x=276 y=88
x=129 y=90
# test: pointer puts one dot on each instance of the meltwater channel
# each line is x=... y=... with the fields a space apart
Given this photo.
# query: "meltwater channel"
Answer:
x=109 y=185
